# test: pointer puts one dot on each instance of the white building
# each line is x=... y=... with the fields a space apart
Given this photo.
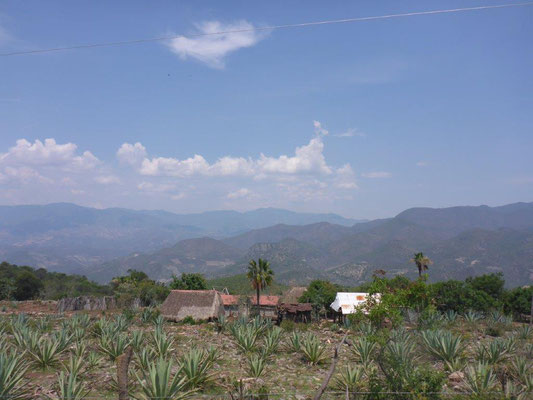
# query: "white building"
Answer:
x=348 y=303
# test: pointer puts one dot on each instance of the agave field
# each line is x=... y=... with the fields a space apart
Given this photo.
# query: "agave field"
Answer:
x=439 y=356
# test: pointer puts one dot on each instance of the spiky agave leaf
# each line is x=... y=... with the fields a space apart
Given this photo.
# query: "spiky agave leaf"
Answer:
x=349 y=378
x=256 y=365
x=295 y=342
x=480 y=379
x=46 y=353
x=444 y=346
x=313 y=350
x=70 y=387
x=363 y=349
x=195 y=365
x=12 y=370
x=158 y=382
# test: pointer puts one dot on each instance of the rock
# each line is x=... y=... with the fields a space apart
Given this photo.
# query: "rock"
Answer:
x=88 y=303
x=456 y=377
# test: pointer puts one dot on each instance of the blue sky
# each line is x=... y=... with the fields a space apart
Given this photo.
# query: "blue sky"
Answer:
x=363 y=119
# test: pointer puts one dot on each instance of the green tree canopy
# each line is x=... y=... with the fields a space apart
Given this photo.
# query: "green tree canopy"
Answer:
x=189 y=282
x=28 y=286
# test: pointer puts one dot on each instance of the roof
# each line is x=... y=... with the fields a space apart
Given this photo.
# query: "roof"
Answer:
x=199 y=304
x=348 y=302
x=293 y=294
x=231 y=300
x=296 y=307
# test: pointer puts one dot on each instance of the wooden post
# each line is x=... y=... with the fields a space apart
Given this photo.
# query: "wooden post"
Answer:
x=123 y=362
x=324 y=385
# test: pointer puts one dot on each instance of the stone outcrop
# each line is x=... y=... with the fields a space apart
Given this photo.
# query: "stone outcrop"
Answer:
x=87 y=303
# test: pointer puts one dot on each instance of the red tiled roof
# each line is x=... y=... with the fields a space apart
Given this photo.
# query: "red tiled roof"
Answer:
x=229 y=299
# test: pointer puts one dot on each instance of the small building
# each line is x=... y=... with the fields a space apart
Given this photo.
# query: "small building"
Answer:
x=199 y=304
x=348 y=303
x=235 y=306
x=297 y=312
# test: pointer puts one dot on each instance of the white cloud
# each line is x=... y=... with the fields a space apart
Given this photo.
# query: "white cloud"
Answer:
x=240 y=193
x=421 y=164
x=48 y=154
x=319 y=129
x=307 y=159
x=376 y=174
x=345 y=177
x=351 y=132
x=156 y=187
x=131 y=153
x=211 y=48
x=107 y=179
x=24 y=174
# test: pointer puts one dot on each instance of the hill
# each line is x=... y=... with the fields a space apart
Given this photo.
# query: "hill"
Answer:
x=67 y=238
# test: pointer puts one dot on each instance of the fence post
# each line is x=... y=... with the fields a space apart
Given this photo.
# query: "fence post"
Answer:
x=123 y=362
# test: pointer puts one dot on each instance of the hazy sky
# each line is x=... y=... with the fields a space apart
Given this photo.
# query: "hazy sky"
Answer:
x=363 y=119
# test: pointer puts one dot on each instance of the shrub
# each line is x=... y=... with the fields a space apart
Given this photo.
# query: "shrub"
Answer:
x=188 y=320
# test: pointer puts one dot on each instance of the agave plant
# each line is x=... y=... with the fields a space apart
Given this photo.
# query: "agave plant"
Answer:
x=162 y=344
x=363 y=350
x=313 y=350
x=159 y=322
x=137 y=340
x=46 y=353
x=246 y=337
x=63 y=339
x=70 y=387
x=295 y=342
x=401 y=353
x=113 y=346
x=195 y=366
x=44 y=324
x=157 y=382
x=495 y=352
x=256 y=365
x=79 y=349
x=349 y=379
x=25 y=338
x=472 y=316
x=520 y=368
x=272 y=340
x=74 y=365
x=480 y=379
x=366 y=329
x=400 y=335
x=450 y=316
x=444 y=346
x=12 y=370
x=144 y=357
x=524 y=332
x=92 y=360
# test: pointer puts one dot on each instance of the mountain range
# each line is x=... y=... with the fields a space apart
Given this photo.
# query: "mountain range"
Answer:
x=461 y=241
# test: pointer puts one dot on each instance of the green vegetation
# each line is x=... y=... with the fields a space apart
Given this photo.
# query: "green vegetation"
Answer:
x=260 y=275
x=137 y=285
x=189 y=282
x=26 y=283
x=422 y=262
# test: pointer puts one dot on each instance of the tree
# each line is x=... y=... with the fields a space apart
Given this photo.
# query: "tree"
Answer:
x=320 y=293
x=492 y=284
x=260 y=275
x=189 y=282
x=28 y=286
x=422 y=262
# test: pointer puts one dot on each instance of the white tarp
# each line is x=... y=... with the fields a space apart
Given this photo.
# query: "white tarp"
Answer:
x=347 y=303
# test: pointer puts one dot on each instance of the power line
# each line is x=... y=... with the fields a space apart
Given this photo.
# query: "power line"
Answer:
x=265 y=28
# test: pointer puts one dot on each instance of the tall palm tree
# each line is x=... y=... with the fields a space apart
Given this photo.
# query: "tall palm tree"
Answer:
x=422 y=262
x=260 y=276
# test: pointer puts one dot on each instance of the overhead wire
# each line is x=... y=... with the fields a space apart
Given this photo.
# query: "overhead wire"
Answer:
x=264 y=28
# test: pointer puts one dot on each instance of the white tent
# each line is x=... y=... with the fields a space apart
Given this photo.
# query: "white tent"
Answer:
x=347 y=303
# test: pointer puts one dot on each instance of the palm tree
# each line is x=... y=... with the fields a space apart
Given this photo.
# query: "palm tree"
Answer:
x=421 y=262
x=260 y=275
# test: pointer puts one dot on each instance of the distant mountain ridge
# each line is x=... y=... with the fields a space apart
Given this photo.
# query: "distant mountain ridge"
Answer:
x=66 y=237
x=462 y=241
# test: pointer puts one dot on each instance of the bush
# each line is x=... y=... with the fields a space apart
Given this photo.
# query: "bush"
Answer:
x=518 y=301
x=188 y=320
x=189 y=282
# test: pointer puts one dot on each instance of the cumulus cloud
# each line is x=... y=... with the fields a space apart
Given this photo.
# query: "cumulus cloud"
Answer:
x=48 y=153
x=240 y=193
x=308 y=159
x=345 y=177
x=376 y=174
x=207 y=46
x=131 y=153
x=319 y=129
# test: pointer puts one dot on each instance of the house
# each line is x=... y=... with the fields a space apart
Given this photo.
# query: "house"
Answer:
x=348 y=303
x=297 y=312
x=198 y=304
x=235 y=306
